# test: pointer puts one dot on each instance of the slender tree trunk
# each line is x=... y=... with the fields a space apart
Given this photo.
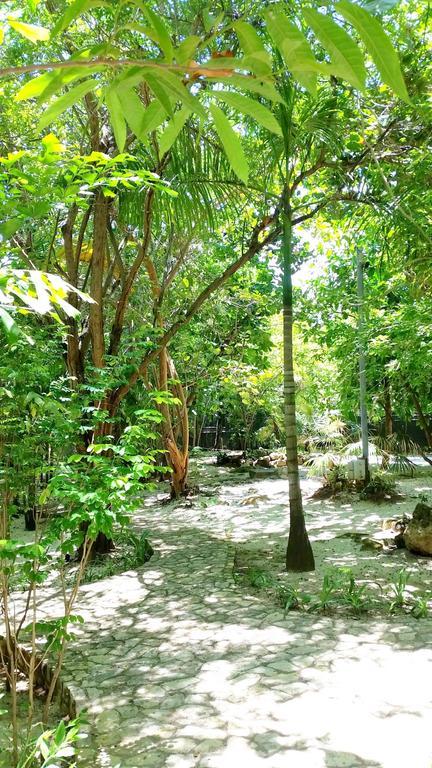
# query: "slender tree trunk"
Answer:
x=200 y=431
x=96 y=279
x=361 y=323
x=421 y=416
x=299 y=555
x=388 y=419
x=388 y=414
x=102 y=544
x=74 y=362
x=178 y=456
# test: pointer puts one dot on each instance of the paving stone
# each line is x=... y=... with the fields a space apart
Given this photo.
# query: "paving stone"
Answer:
x=340 y=760
x=182 y=669
x=107 y=720
x=281 y=665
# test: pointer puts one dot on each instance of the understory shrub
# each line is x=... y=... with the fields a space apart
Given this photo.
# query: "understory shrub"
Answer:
x=380 y=485
x=340 y=590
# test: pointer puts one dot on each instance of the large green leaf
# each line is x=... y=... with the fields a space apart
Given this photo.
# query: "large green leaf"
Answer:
x=9 y=227
x=64 y=102
x=293 y=47
x=231 y=143
x=377 y=44
x=46 y=85
x=30 y=31
x=36 y=86
x=248 y=106
x=133 y=109
x=347 y=58
x=173 y=129
x=153 y=116
x=186 y=50
x=142 y=120
x=10 y=328
x=164 y=96
x=161 y=33
x=253 y=47
x=252 y=84
x=116 y=116
x=70 y=14
x=173 y=85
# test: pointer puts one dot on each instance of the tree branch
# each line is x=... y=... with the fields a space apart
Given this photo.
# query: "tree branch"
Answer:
x=255 y=246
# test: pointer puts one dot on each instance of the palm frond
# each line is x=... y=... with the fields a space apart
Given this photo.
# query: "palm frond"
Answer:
x=207 y=190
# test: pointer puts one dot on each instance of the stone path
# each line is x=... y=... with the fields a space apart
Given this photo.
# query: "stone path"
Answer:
x=179 y=668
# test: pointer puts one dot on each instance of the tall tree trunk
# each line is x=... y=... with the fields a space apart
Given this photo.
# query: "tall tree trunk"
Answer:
x=388 y=414
x=102 y=544
x=388 y=420
x=421 y=416
x=96 y=279
x=178 y=456
x=74 y=362
x=299 y=555
x=361 y=326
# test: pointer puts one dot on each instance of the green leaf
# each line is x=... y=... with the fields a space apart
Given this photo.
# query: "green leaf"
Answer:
x=70 y=14
x=378 y=45
x=46 y=85
x=231 y=143
x=60 y=733
x=9 y=325
x=133 y=110
x=247 y=106
x=153 y=116
x=143 y=30
x=173 y=129
x=253 y=47
x=162 y=95
x=116 y=116
x=35 y=86
x=162 y=34
x=142 y=120
x=209 y=21
x=185 y=51
x=222 y=62
x=9 y=227
x=64 y=102
x=252 y=84
x=176 y=90
x=30 y=31
x=293 y=47
x=347 y=58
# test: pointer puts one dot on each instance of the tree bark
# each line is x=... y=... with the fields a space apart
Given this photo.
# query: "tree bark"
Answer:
x=421 y=416
x=177 y=455
x=299 y=555
x=388 y=421
x=257 y=243
x=96 y=279
x=122 y=304
x=73 y=360
x=388 y=414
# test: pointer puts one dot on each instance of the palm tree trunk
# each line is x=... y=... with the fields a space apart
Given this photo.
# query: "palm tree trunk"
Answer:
x=299 y=555
x=388 y=413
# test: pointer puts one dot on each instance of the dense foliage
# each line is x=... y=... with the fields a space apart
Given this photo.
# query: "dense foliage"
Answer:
x=164 y=175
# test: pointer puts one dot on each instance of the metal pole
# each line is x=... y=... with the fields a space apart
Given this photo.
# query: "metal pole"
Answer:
x=362 y=364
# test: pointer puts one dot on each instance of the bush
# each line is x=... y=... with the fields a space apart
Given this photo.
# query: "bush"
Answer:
x=380 y=485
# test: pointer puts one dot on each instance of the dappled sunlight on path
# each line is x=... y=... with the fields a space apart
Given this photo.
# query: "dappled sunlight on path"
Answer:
x=179 y=668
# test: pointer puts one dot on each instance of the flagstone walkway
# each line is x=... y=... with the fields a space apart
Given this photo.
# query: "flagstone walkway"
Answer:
x=179 y=668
